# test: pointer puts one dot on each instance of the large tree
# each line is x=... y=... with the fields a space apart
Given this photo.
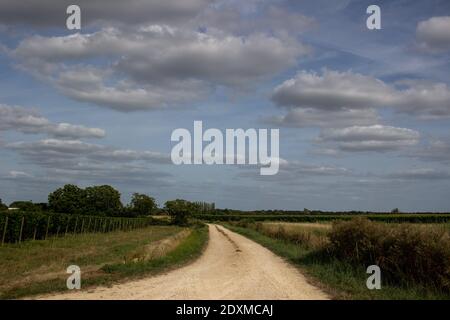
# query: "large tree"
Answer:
x=104 y=200
x=68 y=199
x=180 y=210
x=142 y=204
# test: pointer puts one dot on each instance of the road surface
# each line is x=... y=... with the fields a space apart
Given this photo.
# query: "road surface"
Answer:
x=232 y=267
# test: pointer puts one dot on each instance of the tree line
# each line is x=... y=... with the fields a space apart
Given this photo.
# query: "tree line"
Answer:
x=105 y=201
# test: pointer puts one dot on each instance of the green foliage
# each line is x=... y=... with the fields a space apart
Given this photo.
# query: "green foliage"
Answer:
x=205 y=207
x=25 y=206
x=103 y=200
x=98 y=200
x=3 y=207
x=68 y=199
x=142 y=204
x=180 y=210
x=40 y=225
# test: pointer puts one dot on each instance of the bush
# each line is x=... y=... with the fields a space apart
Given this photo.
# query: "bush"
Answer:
x=405 y=253
x=141 y=205
x=180 y=210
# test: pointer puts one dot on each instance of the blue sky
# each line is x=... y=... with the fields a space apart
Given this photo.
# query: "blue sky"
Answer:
x=363 y=114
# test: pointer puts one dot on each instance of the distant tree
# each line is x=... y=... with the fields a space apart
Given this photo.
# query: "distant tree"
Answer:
x=103 y=200
x=3 y=206
x=25 y=206
x=142 y=204
x=180 y=210
x=68 y=199
x=396 y=210
x=42 y=206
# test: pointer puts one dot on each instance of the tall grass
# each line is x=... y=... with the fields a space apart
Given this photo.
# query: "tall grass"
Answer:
x=404 y=253
x=408 y=254
x=314 y=238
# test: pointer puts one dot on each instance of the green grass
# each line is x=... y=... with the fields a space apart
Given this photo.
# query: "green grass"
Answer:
x=39 y=267
x=340 y=279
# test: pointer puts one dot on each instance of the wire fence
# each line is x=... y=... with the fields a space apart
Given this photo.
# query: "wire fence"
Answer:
x=20 y=226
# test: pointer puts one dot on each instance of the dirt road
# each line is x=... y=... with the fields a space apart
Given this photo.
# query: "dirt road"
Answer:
x=232 y=267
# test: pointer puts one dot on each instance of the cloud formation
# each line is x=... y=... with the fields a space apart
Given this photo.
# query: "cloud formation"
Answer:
x=370 y=138
x=433 y=34
x=48 y=152
x=30 y=121
x=49 y=13
x=310 y=117
x=334 y=90
x=154 y=66
x=421 y=174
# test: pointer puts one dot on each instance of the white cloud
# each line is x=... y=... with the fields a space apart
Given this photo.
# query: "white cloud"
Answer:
x=370 y=138
x=154 y=66
x=30 y=121
x=434 y=34
x=51 y=151
x=73 y=161
x=233 y=18
x=334 y=90
x=309 y=117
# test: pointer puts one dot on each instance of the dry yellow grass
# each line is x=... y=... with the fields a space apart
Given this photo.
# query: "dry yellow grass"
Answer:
x=43 y=260
x=312 y=235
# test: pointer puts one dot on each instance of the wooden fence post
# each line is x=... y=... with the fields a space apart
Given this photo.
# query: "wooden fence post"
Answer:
x=21 y=229
x=46 y=231
x=4 y=230
x=75 y=228
x=67 y=226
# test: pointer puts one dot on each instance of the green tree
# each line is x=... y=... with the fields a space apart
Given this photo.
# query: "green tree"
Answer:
x=25 y=206
x=3 y=207
x=68 y=199
x=180 y=210
x=103 y=200
x=141 y=204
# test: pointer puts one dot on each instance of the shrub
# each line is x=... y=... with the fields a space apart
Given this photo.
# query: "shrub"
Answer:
x=405 y=253
x=180 y=210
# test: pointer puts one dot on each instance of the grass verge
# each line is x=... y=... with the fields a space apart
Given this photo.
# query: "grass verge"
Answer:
x=340 y=279
x=104 y=256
